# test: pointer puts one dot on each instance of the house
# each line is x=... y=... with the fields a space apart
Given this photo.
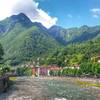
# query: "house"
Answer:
x=54 y=68
x=45 y=71
x=36 y=70
x=76 y=66
x=33 y=71
x=40 y=71
x=96 y=59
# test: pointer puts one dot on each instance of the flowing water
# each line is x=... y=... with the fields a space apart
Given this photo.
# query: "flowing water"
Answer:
x=28 y=88
x=68 y=90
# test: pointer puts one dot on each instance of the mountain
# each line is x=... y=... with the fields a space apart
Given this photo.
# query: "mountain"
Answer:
x=82 y=44
x=87 y=34
x=74 y=54
x=58 y=33
x=74 y=35
x=23 y=39
x=9 y=23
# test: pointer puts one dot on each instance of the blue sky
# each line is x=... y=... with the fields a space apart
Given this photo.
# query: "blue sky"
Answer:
x=65 y=13
x=73 y=13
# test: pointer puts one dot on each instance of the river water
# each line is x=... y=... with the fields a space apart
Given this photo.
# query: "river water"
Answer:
x=29 y=88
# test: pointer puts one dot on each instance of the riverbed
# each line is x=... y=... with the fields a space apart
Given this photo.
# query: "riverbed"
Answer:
x=52 y=88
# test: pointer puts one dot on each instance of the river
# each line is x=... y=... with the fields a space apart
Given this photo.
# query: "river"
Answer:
x=29 y=88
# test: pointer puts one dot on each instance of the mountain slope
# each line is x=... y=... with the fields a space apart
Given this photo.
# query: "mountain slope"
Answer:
x=23 y=40
x=9 y=23
x=75 y=54
x=73 y=35
x=58 y=33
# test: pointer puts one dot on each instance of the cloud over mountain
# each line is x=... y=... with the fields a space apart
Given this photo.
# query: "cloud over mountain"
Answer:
x=28 y=7
x=96 y=12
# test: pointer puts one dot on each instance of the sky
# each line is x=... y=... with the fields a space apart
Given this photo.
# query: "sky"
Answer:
x=65 y=13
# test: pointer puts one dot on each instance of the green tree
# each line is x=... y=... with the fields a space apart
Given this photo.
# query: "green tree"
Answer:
x=24 y=71
x=4 y=69
x=1 y=52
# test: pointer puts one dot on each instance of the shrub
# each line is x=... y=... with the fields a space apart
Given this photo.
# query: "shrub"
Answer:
x=4 y=69
x=24 y=71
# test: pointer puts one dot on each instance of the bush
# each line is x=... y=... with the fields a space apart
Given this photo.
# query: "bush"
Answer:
x=90 y=69
x=24 y=71
x=4 y=69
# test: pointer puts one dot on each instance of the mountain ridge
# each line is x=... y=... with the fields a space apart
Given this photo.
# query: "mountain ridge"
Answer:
x=66 y=36
x=24 y=40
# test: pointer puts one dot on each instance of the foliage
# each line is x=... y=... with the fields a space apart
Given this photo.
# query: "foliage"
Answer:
x=73 y=35
x=24 y=71
x=86 y=69
x=4 y=69
x=25 y=40
x=74 y=54
x=90 y=69
x=1 y=52
x=87 y=84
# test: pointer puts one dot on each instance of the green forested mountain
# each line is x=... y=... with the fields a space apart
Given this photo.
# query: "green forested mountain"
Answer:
x=81 y=45
x=73 y=35
x=22 y=39
x=1 y=53
x=78 y=50
x=75 y=54
x=25 y=40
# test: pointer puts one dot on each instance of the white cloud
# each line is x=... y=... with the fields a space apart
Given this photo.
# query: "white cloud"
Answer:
x=96 y=16
x=69 y=15
x=28 y=7
x=95 y=12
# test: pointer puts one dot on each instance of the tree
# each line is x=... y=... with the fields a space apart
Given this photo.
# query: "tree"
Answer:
x=24 y=71
x=4 y=69
x=1 y=52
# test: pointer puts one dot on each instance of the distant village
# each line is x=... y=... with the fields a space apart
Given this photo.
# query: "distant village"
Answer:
x=45 y=70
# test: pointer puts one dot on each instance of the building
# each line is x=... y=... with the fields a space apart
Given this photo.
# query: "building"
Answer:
x=76 y=66
x=96 y=59
x=45 y=71
x=53 y=68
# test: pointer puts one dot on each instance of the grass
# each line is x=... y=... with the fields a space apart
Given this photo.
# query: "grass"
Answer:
x=87 y=84
x=12 y=78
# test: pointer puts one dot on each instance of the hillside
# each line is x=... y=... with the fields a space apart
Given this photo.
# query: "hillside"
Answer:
x=74 y=54
x=84 y=45
x=23 y=40
x=74 y=35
